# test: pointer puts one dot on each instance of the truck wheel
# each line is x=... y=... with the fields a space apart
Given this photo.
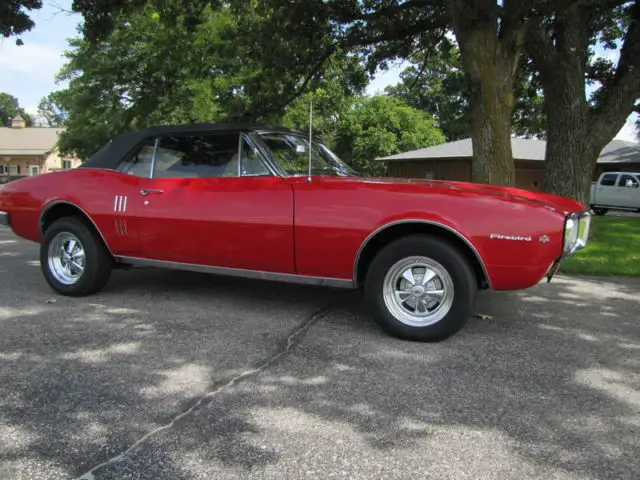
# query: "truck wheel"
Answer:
x=600 y=211
x=73 y=260
x=421 y=288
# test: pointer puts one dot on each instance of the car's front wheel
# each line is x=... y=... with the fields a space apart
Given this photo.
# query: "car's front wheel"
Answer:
x=421 y=288
x=73 y=260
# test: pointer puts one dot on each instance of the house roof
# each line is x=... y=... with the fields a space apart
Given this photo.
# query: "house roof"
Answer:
x=617 y=151
x=28 y=140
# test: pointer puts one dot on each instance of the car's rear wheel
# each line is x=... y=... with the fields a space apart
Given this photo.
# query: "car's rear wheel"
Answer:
x=73 y=260
x=421 y=288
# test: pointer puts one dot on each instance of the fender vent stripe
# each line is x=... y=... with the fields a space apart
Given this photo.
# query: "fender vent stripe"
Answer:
x=120 y=203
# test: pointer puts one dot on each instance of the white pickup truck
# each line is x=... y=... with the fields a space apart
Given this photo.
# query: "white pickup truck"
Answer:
x=615 y=191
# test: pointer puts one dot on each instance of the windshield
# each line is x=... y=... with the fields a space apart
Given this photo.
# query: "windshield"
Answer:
x=292 y=154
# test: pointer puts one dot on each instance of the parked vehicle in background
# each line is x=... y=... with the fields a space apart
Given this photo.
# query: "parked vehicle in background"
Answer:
x=615 y=191
x=271 y=203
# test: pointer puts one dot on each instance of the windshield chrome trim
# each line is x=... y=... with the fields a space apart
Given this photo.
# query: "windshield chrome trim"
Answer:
x=282 y=172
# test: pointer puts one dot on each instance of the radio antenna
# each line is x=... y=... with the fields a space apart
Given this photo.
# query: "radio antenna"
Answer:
x=310 y=135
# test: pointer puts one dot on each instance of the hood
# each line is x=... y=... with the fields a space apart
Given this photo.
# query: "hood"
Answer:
x=557 y=202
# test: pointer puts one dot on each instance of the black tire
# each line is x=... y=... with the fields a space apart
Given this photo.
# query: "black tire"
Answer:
x=456 y=265
x=600 y=211
x=97 y=260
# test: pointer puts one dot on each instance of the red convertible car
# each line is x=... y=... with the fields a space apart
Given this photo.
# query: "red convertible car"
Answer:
x=265 y=202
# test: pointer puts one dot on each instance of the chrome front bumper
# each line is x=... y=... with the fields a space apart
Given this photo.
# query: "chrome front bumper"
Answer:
x=4 y=219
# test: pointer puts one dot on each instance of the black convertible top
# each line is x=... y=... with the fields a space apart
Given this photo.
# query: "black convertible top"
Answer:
x=112 y=152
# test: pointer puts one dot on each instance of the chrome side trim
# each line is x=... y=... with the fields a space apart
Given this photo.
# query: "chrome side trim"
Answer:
x=58 y=202
x=238 y=272
x=4 y=219
x=428 y=222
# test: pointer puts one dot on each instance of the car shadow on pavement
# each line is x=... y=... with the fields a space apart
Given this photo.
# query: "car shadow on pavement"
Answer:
x=546 y=386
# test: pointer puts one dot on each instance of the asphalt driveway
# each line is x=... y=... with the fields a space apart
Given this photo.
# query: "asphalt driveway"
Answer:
x=170 y=375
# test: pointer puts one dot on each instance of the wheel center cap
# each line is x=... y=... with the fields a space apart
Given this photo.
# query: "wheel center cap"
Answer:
x=417 y=291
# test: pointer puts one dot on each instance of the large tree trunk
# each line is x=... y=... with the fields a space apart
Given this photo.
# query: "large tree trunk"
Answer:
x=577 y=133
x=491 y=112
x=490 y=56
x=570 y=158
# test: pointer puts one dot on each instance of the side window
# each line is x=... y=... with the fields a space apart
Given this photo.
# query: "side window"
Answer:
x=197 y=156
x=628 y=181
x=139 y=163
x=206 y=156
x=251 y=164
x=609 y=180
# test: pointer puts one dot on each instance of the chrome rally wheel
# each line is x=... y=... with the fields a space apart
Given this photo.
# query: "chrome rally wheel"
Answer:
x=420 y=287
x=66 y=258
x=418 y=291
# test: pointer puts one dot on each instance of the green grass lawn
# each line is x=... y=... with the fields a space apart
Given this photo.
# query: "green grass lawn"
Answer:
x=613 y=249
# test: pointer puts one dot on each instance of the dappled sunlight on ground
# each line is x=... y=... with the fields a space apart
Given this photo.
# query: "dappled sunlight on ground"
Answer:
x=545 y=386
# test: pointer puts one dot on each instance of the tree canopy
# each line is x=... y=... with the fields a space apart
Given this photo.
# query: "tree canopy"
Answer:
x=9 y=108
x=14 y=17
x=243 y=59
x=562 y=49
x=436 y=84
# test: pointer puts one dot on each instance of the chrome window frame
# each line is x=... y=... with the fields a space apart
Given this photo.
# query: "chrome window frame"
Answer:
x=134 y=151
x=242 y=137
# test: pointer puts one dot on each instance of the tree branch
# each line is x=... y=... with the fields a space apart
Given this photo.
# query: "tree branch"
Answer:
x=420 y=72
x=539 y=8
x=315 y=70
x=618 y=96
x=341 y=15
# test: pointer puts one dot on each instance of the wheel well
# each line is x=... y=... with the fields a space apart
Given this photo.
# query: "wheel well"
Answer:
x=63 y=209
x=394 y=232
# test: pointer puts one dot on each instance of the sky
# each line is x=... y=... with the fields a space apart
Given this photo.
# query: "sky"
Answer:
x=28 y=72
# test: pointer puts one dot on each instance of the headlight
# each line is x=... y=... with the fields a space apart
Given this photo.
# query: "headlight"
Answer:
x=576 y=232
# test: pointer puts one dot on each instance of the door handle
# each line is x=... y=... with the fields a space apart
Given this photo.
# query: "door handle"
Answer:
x=147 y=191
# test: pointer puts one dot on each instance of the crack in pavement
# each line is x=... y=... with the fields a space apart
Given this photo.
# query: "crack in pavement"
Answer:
x=302 y=327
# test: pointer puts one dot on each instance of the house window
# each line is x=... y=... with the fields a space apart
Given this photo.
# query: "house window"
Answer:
x=4 y=170
x=14 y=170
x=34 y=170
x=66 y=164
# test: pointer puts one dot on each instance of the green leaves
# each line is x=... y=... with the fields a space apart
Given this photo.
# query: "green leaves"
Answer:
x=379 y=126
x=14 y=17
x=9 y=108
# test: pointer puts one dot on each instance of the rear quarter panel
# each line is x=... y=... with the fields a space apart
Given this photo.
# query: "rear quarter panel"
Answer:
x=92 y=190
x=334 y=217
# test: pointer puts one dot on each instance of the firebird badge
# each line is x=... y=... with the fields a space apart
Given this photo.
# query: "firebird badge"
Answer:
x=544 y=239
x=510 y=237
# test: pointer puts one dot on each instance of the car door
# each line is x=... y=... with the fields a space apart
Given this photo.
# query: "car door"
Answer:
x=213 y=201
x=628 y=191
